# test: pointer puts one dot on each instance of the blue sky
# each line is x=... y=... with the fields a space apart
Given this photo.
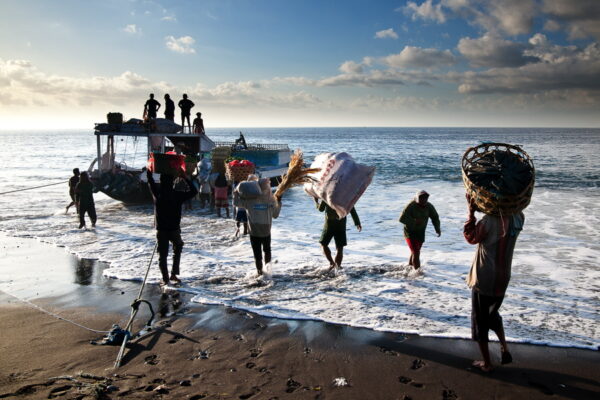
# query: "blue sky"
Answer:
x=304 y=63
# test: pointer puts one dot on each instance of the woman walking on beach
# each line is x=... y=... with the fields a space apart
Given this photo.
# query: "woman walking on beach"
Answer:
x=85 y=199
x=221 y=196
x=415 y=217
x=489 y=276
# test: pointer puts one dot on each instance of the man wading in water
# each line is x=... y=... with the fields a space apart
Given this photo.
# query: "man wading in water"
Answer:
x=167 y=219
x=415 y=217
x=335 y=228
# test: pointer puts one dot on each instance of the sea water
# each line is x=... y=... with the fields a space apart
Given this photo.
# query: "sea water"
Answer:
x=553 y=296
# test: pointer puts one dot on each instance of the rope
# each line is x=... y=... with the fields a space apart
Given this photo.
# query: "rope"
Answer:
x=55 y=315
x=35 y=187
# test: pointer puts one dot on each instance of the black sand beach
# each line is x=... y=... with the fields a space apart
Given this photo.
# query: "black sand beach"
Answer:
x=214 y=352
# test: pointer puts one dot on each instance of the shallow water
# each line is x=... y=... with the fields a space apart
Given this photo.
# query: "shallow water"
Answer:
x=553 y=296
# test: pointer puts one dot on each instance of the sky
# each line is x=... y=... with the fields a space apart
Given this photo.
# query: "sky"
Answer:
x=303 y=63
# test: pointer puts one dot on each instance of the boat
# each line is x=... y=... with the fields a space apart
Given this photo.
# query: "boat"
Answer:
x=123 y=150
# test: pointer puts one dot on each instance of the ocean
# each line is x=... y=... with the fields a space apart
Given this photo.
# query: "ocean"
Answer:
x=553 y=297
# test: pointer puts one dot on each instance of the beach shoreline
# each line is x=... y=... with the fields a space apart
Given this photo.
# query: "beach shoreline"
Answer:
x=199 y=351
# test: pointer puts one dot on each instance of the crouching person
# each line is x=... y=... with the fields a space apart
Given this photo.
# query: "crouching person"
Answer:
x=261 y=207
x=167 y=220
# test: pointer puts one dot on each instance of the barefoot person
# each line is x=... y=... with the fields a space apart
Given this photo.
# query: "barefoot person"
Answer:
x=73 y=181
x=84 y=193
x=335 y=228
x=489 y=276
x=167 y=220
x=261 y=210
x=415 y=217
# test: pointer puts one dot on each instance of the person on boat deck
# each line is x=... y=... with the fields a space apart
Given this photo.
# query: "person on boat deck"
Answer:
x=415 y=217
x=73 y=181
x=198 y=124
x=240 y=143
x=335 y=228
x=489 y=276
x=260 y=210
x=167 y=220
x=151 y=107
x=85 y=199
x=169 y=108
x=186 y=106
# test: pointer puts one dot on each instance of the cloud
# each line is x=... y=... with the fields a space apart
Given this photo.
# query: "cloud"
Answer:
x=581 y=17
x=170 y=18
x=492 y=51
x=181 y=45
x=514 y=17
x=386 y=34
x=416 y=57
x=562 y=72
x=427 y=11
x=351 y=67
x=133 y=29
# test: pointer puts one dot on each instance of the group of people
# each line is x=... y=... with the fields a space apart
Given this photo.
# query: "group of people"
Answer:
x=495 y=237
x=81 y=191
x=152 y=106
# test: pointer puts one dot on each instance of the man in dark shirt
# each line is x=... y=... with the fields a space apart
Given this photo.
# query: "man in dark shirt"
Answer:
x=169 y=108
x=186 y=106
x=335 y=228
x=167 y=219
x=151 y=107
x=73 y=181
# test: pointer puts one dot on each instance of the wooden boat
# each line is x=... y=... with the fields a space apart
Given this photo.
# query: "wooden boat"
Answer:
x=120 y=173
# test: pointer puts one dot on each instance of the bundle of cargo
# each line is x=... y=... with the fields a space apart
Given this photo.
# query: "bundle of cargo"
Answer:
x=499 y=177
x=168 y=163
x=238 y=170
x=340 y=181
x=296 y=174
x=114 y=118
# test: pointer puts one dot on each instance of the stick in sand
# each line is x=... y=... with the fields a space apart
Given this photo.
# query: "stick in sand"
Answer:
x=296 y=174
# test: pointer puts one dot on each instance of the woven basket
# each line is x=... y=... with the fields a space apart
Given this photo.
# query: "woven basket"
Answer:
x=495 y=203
x=238 y=173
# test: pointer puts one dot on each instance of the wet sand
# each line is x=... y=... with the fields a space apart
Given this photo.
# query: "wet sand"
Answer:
x=214 y=352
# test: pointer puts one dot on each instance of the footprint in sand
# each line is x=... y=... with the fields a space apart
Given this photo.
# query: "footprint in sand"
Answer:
x=408 y=381
x=151 y=359
x=416 y=364
x=250 y=365
x=449 y=394
x=255 y=352
x=255 y=390
x=292 y=385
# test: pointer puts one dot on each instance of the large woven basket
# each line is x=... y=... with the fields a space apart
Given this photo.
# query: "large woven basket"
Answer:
x=239 y=173
x=496 y=203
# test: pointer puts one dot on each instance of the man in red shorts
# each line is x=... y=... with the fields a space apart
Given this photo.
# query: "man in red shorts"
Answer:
x=415 y=217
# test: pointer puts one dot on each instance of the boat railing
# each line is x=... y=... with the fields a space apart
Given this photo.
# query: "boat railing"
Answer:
x=254 y=146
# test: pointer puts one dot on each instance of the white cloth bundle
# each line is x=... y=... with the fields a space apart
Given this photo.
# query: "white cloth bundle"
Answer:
x=340 y=182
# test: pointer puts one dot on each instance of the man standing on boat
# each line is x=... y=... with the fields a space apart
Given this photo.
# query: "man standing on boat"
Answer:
x=186 y=106
x=169 y=108
x=151 y=107
x=167 y=220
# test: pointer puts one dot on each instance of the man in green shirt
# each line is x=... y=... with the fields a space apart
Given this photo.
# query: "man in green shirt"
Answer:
x=335 y=228
x=415 y=217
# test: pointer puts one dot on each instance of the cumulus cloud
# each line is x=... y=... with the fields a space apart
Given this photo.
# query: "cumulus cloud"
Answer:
x=416 y=57
x=514 y=17
x=170 y=18
x=492 y=51
x=386 y=34
x=351 y=67
x=133 y=29
x=181 y=45
x=564 y=70
x=426 y=10
x=581 y=17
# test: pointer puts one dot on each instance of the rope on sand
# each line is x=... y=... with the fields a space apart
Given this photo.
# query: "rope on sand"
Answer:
x=55 y=315
x=35 y=187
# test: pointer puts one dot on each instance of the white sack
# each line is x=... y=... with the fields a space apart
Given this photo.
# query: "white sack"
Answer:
x=340 y=182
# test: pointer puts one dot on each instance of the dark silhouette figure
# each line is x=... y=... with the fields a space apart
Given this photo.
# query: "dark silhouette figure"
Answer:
x=186 y=106
x=151 y=107
x=169 y=108
x=85 y=198
x=198 y=124
x=73 y=181
x=240 y=143
x=167 y=220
